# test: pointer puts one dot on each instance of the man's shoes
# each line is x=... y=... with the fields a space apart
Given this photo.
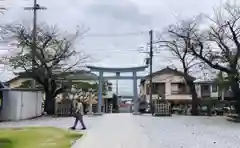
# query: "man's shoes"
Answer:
x=72 y=128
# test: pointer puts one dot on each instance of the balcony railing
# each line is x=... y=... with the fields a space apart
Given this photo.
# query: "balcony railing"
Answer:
x=206 y=94
x=180 y=92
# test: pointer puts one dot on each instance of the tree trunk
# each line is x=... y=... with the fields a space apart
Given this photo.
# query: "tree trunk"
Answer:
x=237 y=106
x=209 y=108
x=236 y=95
x=49 y=103
x=194 y=98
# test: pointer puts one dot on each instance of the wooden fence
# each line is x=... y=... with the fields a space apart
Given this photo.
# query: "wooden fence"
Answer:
x=64 y=108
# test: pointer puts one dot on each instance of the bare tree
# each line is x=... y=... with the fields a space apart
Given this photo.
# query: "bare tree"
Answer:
x=51 y=62
x=2 y=7
x=219 y=45
x=178 y=46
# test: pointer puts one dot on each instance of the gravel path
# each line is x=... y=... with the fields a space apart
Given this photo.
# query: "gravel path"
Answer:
x=145 y=131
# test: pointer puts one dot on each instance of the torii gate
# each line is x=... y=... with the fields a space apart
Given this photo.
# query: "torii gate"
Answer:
x=117 y=71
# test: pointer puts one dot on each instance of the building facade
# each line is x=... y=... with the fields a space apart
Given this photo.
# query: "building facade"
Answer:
x=169 y=84
x=211 y=90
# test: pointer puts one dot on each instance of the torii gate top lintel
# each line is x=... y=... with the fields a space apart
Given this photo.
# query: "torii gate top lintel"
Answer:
x=115 y=70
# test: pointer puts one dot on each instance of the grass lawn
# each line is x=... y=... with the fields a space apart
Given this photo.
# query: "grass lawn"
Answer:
x=37 y=137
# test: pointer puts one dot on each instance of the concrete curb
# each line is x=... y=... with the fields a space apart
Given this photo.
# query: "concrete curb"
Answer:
x=75 y=144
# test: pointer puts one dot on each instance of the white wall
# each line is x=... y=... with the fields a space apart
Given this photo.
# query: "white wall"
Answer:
x=9 y=112
x=198 y=90
x=19 y=105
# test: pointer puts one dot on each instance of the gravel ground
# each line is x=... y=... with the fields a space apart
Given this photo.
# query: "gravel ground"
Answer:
x=145 y=131
x=190 y=132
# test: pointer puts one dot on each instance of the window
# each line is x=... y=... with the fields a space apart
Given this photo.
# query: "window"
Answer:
x=205 y=90
x=178 y=88
x=157 y=88
x=214 y=87
x=182 y=88
x=154 y=88
x=109 y=88
x=206 y=87
x=174 y=88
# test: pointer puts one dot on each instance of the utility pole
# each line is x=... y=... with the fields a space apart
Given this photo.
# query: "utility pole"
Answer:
x=118 y=101
x=34 y=32
x=150 y=71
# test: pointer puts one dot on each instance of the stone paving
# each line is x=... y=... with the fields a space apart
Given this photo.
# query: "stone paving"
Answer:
x=114 y=131
x=145 y=131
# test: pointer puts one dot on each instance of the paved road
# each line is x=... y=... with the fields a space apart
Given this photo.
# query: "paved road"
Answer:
x=128 y=131
x=114 y=131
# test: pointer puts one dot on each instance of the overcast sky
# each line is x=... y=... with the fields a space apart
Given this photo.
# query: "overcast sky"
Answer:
x=117 y=28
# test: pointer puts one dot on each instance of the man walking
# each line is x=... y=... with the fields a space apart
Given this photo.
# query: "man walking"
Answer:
x=79 y=112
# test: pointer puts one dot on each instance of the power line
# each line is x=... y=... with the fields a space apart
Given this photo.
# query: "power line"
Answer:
x=117 y=34
x=117 y=50
x=138 y=50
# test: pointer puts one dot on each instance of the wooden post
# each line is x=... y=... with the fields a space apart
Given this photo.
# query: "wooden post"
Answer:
x=90 y=112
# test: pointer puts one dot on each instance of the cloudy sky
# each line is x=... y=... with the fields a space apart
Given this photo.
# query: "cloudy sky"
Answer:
x=118 y=29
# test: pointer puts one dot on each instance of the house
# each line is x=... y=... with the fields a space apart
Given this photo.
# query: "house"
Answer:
x=210 y=89
x=16 y=81
x=23 y=80
x=74 y=76
x=167 y=83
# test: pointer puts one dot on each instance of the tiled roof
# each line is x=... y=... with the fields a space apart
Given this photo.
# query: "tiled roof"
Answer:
x=81 y=75
x=168 y=70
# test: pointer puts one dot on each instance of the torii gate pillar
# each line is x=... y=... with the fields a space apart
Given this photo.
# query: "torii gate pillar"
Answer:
x=135 y=93
x=100 y=79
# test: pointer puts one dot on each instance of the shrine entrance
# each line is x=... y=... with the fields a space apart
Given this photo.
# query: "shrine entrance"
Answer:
x=118 y=76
